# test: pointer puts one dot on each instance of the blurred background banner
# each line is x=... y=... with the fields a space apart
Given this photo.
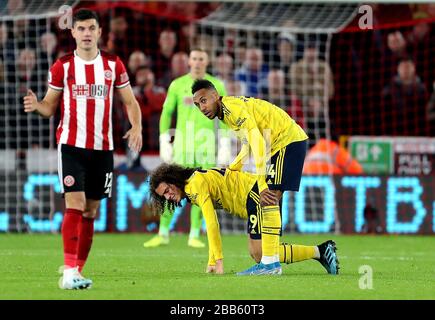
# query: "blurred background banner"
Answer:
x=359 y=79
x=344 y=204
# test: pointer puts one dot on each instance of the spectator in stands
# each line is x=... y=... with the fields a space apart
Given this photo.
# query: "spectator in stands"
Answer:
x=140 y=75
x=286 y=48
x=32 y=128
x=47 y=55
x=417 y=43
x=161 y=58
x=118 y=40
x=48 y=42
x=187 y=37
x=150 y=98
x=396 y=42
x=26 y=71
x=234 y=88
x=240 y=48
x=313 y=83
x=21 y=35
x=179 y=65
x=253 y=73
x=404 y=102
x=223 y=68
x=420 y=44
x=277 y=94
x=275 y=91
x=137 y=58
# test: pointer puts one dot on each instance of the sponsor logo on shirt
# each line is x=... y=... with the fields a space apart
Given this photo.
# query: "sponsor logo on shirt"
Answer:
x=90 y=91
x=240 y=121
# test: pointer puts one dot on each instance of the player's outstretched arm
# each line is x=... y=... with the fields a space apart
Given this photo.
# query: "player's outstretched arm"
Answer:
x=218 y=268
x=46 y=107
x=213 y=234
x=134 y=135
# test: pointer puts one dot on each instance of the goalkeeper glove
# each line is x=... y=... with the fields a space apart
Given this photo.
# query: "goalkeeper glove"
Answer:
x=166 y=149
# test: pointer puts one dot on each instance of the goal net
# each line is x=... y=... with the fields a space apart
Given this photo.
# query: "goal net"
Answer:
x=279 y=52
x=29 y=37
x=311 y=59
x=265 y=50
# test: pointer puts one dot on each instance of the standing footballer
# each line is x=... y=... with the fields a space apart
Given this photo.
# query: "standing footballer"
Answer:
x=193 y=130
x=276 y=141
x=83 y=83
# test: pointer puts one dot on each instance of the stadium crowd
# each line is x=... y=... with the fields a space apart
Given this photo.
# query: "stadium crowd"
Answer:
x=386 y=75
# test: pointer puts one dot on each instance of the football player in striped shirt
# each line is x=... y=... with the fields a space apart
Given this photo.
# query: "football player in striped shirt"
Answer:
x=239 y=194
x=83 y=83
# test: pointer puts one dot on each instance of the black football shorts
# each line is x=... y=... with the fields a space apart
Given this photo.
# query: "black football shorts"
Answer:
x=86 y=170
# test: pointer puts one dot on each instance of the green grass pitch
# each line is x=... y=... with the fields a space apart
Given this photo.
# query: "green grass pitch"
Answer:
x=403 y=268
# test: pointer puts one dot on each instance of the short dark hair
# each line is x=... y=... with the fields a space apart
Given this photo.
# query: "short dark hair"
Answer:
x=85 y=14
x=202 y=84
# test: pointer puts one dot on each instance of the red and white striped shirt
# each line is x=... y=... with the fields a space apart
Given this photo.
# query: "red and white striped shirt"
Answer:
x=86 y=105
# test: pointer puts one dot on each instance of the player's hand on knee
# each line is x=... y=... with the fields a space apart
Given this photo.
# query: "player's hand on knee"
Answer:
x=268 y=198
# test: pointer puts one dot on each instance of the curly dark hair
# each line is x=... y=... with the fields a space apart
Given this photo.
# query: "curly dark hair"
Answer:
x=168 y=173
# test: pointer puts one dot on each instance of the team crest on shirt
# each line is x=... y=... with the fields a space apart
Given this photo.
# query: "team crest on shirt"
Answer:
x=108 y=74
x=69 y=181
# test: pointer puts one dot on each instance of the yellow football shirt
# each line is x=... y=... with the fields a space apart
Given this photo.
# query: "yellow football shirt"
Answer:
x=262 y=127
x=219 y=189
